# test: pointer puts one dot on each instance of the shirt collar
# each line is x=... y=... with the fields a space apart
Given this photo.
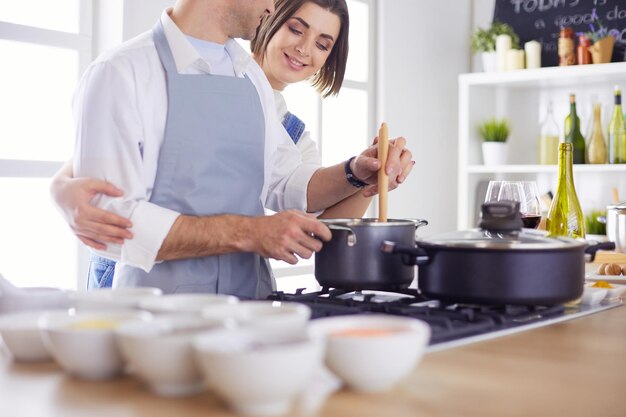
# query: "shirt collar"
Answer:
x=185 y=55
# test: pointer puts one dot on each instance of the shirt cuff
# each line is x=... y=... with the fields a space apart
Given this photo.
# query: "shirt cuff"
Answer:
x=151 y=224
x=297 y=186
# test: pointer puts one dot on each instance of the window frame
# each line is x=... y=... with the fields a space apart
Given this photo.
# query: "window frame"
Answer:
x=82 y=43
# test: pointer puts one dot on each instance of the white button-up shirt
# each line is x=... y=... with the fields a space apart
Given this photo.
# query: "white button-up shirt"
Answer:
x=120 y=109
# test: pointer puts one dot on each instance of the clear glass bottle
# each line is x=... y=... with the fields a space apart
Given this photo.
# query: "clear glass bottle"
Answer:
x=549 y=139
x=573 y=135
x=617 y=134
x=565 y=217
x=596 y=148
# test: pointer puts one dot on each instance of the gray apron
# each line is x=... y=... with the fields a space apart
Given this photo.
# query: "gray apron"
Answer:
x=211 y=162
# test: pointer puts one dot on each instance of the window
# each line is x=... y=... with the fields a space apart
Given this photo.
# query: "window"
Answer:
x=43 y=54
x=342 y=126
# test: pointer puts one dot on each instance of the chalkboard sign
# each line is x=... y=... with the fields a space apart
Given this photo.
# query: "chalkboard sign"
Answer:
x=542 y=20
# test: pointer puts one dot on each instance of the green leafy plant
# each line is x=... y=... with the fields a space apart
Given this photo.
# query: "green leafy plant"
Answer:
x=484 y=40
x=592 y=225
x=494 y=130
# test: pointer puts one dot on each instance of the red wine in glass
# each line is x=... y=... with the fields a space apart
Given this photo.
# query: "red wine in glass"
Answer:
x=531 y=221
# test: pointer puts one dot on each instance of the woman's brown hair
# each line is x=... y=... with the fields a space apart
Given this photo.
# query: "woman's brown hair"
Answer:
x=328 y=80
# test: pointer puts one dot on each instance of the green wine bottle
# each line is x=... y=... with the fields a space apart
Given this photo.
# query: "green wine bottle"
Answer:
x=573 y=135
x=617 y=134
x=565 y=217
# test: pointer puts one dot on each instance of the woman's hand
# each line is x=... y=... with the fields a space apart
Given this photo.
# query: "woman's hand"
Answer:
x=93 y=226
x=399 y=164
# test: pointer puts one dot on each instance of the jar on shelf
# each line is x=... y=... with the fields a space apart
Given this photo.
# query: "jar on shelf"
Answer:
x=583 y=54
x=567 y=56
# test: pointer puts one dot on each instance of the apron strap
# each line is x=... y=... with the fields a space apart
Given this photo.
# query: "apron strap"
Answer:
x=163 y=48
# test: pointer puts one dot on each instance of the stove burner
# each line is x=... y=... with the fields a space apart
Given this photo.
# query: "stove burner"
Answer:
x=448 y=321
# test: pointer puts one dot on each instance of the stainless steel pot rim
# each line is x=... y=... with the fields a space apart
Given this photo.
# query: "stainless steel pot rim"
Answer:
x=621 y=207
x=373 y=222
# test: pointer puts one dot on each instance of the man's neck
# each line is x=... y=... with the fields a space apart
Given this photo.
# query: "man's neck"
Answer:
x=200 y=19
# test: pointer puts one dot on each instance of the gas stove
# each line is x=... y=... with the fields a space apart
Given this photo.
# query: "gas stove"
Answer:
x=451 y=324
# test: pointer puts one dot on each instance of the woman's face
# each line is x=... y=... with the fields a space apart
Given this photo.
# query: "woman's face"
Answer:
x=301 y=45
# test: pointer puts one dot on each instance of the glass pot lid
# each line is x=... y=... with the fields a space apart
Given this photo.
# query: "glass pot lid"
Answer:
x=484 y=239
x=501 y=228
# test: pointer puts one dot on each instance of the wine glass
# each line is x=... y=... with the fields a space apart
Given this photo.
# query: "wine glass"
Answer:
x=525 y=192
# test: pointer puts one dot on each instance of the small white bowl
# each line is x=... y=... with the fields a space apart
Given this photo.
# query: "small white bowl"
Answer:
x=269 y=316
x=83 y=342
x=113 y=298
x=20 y=333
x=34 y=298
x=592 y=295
x=184 y=303
x=257 y=373
x=161 y=354
x=371 y=353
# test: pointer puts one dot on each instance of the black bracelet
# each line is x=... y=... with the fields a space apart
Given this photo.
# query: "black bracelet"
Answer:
x=354 y=181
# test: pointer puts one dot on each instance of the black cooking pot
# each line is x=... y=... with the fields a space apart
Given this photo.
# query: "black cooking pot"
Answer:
x=352 y=259
x=500 y=263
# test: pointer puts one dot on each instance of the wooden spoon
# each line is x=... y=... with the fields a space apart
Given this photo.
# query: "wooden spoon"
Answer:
x=383 y=183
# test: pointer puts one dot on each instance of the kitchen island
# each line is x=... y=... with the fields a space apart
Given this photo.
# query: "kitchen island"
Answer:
x=573 y=368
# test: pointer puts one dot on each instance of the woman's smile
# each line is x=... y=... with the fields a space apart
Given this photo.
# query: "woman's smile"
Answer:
x=294 y=63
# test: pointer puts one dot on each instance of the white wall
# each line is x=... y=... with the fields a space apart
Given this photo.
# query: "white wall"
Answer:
x=424 y=46
x=141 y=15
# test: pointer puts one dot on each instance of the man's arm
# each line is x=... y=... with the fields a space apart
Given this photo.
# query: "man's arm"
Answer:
x=281 y=236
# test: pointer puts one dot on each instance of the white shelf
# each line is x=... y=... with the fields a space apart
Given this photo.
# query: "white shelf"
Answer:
x=548 y=77
x=522 y=97
x=539 y=169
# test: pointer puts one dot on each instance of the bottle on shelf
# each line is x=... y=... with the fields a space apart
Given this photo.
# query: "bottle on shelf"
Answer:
x=617 y=134
x=596 y=148
x=572 y=132
x=549 y=139
x=565 y=217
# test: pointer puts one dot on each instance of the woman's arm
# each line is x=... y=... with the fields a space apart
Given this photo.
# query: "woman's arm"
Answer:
x=93 y=226
x=352 y=207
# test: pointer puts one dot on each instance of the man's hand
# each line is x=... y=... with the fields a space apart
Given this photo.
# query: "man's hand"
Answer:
x=399 y=164
x=285 y=235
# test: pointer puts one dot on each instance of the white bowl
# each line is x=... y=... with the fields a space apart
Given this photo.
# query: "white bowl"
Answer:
x=592 y=295
x=20 y=333
x=267 y=316
x=34 y=298
x=185 y=303
x=83 y=342
x=113 y=298
x=161 y=354
x=371 y=353
x=257 y=373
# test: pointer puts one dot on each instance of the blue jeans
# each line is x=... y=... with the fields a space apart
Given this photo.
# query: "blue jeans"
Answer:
x=100 y=272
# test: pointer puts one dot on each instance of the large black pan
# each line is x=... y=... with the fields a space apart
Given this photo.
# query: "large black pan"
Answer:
x=501 y=263
x=352 y=259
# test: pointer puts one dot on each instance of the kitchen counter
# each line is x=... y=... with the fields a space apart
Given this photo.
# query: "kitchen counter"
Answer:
x=574 y=368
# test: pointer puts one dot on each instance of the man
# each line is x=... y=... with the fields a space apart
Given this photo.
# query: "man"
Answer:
x=183 y=120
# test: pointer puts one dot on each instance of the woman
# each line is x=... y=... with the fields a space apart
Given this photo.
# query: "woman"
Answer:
x=303 y=39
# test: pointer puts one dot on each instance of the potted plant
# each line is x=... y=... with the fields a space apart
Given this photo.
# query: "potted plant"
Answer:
x=494 y=133
x=484 y=42
x=602 y=40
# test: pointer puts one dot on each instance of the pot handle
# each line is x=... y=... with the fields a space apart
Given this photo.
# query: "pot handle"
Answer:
x=590 y=251
x=351 y=240
x=410 y=255
x=418 y=222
